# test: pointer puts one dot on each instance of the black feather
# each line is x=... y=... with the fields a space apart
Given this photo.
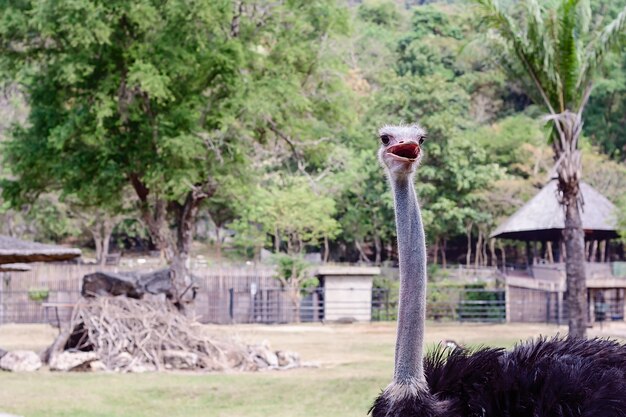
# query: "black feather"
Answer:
x=547 y=377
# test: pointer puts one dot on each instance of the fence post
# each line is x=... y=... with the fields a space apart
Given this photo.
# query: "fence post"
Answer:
x=387 y=303
x=548 y=297
x=507 y=303
x=559 y=303
x=231 y=302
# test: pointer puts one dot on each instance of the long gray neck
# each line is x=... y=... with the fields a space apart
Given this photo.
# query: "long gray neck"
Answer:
x=412 y=306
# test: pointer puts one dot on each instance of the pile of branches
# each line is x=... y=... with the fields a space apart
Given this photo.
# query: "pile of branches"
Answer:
x=130 y=335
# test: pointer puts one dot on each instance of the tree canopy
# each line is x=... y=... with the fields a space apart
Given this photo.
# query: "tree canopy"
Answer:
x=262 y=116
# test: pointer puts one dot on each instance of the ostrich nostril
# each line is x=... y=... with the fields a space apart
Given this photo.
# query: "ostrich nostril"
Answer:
x=401 y=141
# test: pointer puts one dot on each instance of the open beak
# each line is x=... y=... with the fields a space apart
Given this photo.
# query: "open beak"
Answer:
x=406 y=151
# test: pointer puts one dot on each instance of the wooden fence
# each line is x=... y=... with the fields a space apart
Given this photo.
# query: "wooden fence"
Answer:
x=47 y=292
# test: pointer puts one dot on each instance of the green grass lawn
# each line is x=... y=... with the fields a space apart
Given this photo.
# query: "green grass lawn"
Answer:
x=355 y=362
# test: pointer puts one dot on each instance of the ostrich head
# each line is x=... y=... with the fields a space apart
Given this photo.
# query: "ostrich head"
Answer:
x=400 y=151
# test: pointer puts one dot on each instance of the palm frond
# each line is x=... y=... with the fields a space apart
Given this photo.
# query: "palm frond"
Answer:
x=598 y=48
x=543 y=45
x=550 y=40
x=583 y=17
x=521 y=45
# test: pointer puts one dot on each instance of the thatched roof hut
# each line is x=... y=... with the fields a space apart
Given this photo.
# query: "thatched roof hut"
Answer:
x=542 y=218
x=15 y=250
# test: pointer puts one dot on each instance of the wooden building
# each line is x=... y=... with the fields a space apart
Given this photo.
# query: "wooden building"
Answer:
x=15 y=305
x=537 y=292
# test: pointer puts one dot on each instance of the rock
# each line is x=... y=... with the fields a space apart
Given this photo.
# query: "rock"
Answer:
x=235 y=358
x=310 y=364
x=288 y=359
x=72 y=361
x=98 y=366
x=258 y=362
x=20 y=361
x=141 y=368
x=180 y=359
x=264 y=352
x=345 y=320
x=123 y=359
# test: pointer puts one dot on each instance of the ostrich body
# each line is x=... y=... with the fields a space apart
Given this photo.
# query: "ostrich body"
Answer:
x=547 y=377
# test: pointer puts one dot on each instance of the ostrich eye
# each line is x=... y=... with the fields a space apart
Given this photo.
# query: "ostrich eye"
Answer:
x=385 y=139
x=422 y=139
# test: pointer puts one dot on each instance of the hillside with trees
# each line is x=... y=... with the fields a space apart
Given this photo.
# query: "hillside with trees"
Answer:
x=234 y=128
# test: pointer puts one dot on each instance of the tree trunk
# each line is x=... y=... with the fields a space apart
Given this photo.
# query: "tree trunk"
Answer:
x=436 y=251
x=276 y=241
x=154 y=214
x=502 y=250
x=378 y=247
x=101 y=230
x=594 y=251
x=296 y=299
x=444 y=260
x=492 y=251
x=362 y=256
x=573 y=236
x=326 y=249
x=477 y=250
x=566 y=134
x=97 y=240
x=107 y=231
x=468 y=255
x=218 y=244
x=184 y=286
x=484 y=249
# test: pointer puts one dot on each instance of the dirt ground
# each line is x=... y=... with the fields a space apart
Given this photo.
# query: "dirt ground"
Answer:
x=330 y=343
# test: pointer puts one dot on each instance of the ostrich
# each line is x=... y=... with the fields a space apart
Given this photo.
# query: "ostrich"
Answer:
x=547 y=377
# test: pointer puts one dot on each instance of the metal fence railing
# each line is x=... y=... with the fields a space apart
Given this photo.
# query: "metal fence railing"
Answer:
x=279 y=305
x=456 y=304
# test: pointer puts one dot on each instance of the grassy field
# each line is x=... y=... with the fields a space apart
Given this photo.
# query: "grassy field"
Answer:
x=354 y=364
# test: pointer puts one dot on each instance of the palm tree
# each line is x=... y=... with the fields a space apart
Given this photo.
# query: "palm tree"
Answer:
x=553 y=49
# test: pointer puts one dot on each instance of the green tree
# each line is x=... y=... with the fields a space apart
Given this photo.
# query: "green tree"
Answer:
x=164 y=97
x=556 y=53
x=605 y=117
x=292 y=213
x=296 y=217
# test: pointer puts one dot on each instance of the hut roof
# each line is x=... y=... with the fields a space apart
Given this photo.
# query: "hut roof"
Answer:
x=14 y=268
x=15 y=250
x=542 y=218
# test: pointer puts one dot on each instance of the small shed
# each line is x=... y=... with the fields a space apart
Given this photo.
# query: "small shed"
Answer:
x=347 y=291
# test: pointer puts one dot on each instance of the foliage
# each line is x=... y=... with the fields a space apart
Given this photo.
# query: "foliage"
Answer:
x=292 y=213
x=553 y=49
x=163 y=97
x=380 y=13
x=294 y=271
x=262 y=116
x=38 y=294
x=605 y=121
